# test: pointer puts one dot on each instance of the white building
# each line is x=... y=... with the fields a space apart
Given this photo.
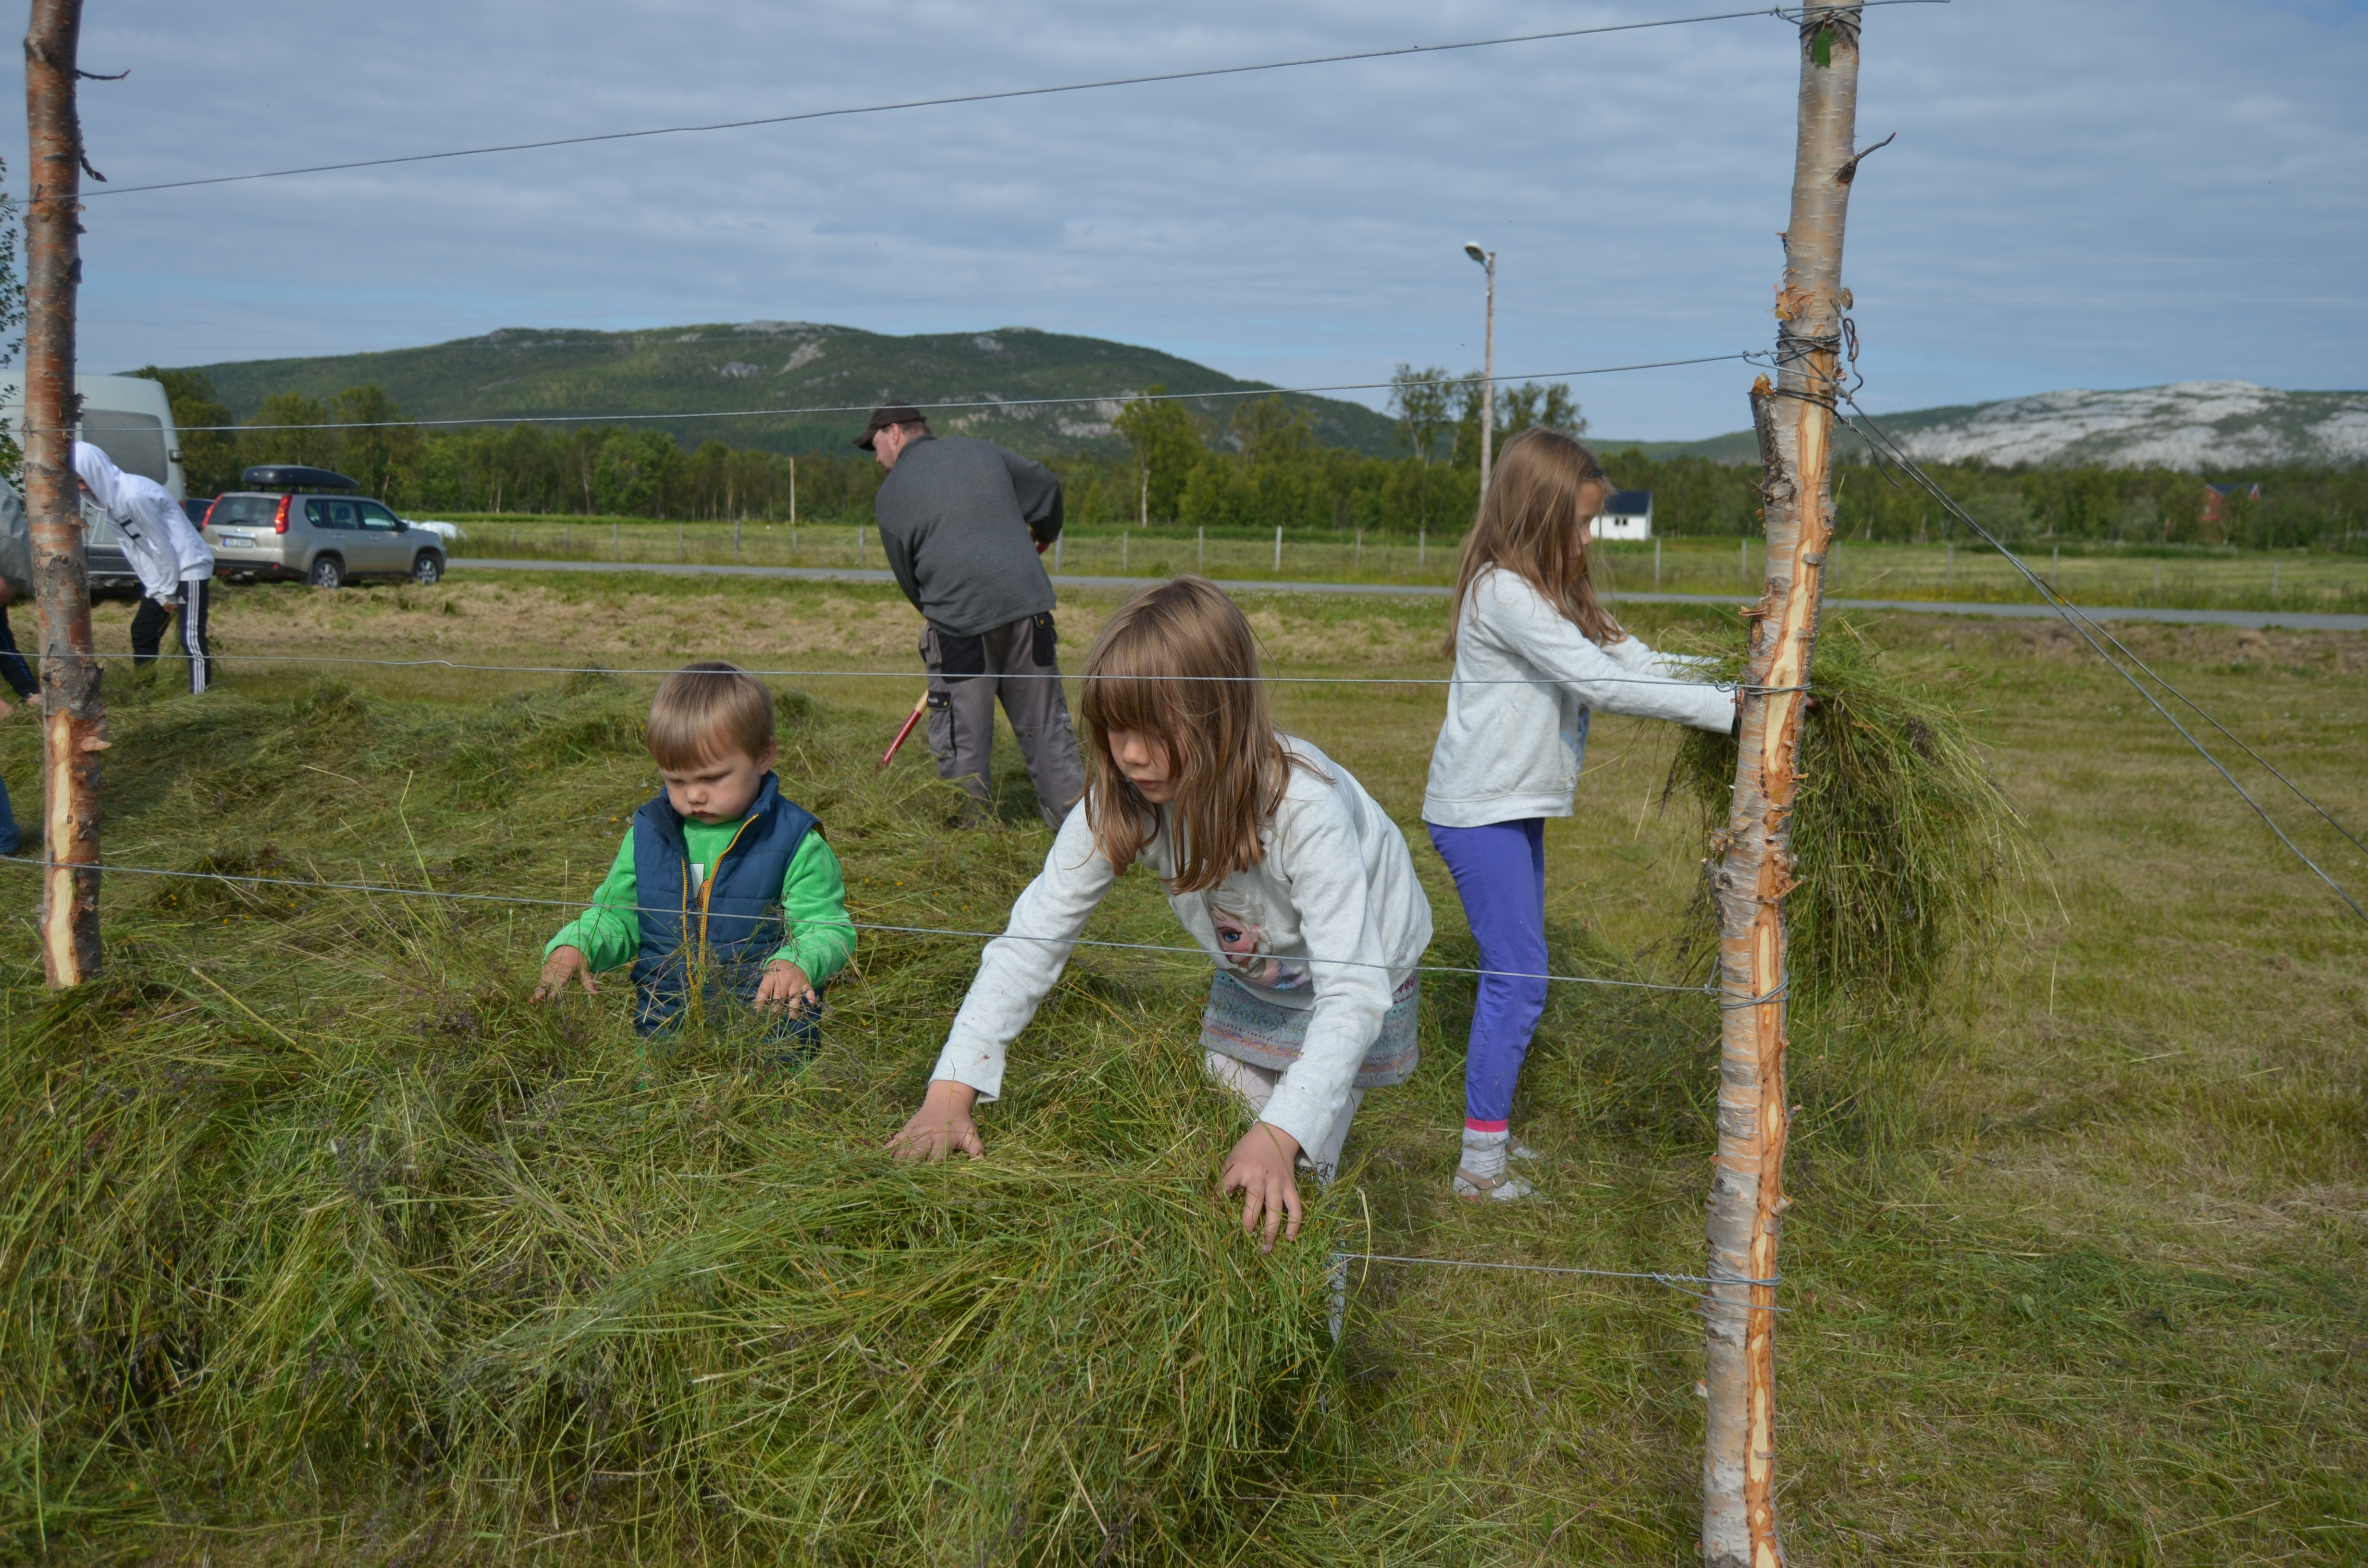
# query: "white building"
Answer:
x=1627 y=514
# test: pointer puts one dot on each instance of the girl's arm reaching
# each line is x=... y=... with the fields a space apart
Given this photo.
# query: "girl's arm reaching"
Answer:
x=1015 y=974
x=1636 y=681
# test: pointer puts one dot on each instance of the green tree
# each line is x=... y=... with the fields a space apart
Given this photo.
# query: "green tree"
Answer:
x=1167 y=447
x=287 y=428
x=209 y=457
x=1272 y=431
x=376 y=444
x=1419 y=399
x=1530 y=404
x=634 y=471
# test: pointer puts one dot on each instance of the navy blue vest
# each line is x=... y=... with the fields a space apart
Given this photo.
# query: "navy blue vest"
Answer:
x=729 y=929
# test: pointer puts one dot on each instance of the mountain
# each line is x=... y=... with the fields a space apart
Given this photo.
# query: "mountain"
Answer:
x=2192 y=425
x=716 y=373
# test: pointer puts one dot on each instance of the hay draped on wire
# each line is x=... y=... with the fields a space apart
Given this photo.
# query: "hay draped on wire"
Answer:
x=1908 y=855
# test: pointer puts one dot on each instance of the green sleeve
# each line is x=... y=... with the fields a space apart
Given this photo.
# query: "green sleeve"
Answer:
x=813 y=903
x=610 y=933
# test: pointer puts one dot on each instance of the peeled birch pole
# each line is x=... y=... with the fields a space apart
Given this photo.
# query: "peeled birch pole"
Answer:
x=1795 y=420
x=74 y=720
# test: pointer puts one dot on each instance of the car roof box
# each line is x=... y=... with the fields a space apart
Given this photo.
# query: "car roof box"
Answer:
x=295 y=476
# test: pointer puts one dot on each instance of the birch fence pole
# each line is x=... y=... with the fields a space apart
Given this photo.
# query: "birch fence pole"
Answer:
x=73 y=719
x=1794 y=421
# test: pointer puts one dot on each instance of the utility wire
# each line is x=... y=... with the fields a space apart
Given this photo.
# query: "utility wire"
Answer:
x=2090 y=632
x=169 y=656
x=1404 y=50
x=992 y=403
x=312 y=885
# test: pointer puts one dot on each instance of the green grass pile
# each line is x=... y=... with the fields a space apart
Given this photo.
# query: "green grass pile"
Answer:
x=1909 y=853
x=331 y=1223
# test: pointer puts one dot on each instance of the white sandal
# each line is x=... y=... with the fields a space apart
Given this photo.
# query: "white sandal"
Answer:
x=1506 y=1189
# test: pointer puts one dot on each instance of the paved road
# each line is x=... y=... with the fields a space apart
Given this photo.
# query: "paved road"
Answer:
x=2299 y=620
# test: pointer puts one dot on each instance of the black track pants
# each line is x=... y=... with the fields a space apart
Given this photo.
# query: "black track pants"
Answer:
x=188 y=610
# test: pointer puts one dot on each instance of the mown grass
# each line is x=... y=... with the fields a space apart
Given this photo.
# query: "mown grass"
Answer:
x=2091 y=571
x=2074 y=1263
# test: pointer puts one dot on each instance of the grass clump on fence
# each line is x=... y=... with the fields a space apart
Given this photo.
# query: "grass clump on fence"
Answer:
x=332 y=1222
x=1907 y=851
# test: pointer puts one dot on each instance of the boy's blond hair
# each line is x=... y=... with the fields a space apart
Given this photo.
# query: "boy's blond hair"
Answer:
x=706 y=710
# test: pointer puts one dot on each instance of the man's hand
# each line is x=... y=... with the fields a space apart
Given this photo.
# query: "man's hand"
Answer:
x=1261 y=1168
x=563 y=964
x=941 y=1126
x=785 y=987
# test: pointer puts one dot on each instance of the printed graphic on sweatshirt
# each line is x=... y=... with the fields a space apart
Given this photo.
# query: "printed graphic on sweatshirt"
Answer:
x=1240 y=922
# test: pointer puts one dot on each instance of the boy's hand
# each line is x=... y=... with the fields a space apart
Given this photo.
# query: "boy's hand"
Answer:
x=1261 y=1167
x=941 y=1126
x=563 y=964
x=785 y=987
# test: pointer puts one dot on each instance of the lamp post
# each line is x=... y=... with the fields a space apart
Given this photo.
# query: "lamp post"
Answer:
x=1488 y=260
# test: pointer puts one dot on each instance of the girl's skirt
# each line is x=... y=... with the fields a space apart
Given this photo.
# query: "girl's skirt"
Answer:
x=1243 y=1024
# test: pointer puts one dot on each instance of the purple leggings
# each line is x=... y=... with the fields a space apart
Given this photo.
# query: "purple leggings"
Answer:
x=1500 y=874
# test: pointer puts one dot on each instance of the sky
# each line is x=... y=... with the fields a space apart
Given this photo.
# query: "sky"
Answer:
x=2111 y=193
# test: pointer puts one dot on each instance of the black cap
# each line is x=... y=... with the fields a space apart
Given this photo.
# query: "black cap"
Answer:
x=890 y=414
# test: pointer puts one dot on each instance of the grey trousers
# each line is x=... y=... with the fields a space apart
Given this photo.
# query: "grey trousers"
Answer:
x=967 y=675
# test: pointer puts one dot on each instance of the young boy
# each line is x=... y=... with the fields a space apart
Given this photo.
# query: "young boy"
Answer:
x=721 y=872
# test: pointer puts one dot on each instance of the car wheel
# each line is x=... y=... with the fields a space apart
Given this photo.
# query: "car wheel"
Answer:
x=328 y=572
x=427 y=571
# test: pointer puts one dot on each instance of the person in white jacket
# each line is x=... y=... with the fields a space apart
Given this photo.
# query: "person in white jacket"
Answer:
x=167 y=553
x=1535 y=653
x=1280 y=866
x=170 y=557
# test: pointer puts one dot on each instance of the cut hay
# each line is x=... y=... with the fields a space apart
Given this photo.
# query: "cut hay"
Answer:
x=1908 y=852
x=340 y=1228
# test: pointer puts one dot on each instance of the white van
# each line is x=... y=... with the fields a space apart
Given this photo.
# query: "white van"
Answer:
x=130 y=419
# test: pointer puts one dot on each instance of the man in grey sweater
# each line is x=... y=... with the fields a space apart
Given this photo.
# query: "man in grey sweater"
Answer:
x=964 y=524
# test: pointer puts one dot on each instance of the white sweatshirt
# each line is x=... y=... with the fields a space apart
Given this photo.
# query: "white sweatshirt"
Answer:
x=1335 y=883
x=164 y=548
x=1525 y=680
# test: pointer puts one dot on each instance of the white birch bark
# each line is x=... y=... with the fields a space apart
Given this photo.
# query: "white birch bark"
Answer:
x=1794 y=419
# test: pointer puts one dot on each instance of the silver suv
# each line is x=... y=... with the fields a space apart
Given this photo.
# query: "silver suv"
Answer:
x=274 y=530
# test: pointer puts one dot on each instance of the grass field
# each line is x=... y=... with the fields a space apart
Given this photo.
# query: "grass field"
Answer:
x=2091 y=573
x=2075 y=1267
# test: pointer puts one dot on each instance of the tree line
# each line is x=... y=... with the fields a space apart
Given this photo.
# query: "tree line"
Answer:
x=1253 y=467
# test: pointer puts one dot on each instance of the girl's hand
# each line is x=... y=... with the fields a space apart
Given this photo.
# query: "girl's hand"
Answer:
x=785 y=987
x=1261 y=1167
x=563 y=964
x=941 y=1126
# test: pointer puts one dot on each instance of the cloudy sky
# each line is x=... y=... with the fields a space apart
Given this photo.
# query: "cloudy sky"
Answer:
x=2107 y=193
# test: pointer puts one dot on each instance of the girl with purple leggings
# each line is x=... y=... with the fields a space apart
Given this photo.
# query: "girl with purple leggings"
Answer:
x=1534 y=654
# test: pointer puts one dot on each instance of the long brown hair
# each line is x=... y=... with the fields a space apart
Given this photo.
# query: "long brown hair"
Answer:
x=1179 y=664
x=1533 y=522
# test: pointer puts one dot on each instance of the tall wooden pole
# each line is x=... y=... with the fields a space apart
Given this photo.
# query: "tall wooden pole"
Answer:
x=1794 y=419
x=74 y=720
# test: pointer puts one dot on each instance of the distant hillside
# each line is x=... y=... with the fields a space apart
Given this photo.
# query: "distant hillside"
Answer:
x=715 y=370
x=2190 y=425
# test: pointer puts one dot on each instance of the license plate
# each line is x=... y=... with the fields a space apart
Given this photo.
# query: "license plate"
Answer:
x=240 y=540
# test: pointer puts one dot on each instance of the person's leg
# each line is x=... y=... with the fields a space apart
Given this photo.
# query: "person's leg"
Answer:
x=148 y=624
x=1039 y=711
x=193 y=633
x=12 y=838
x=1499 y=875
x=961 y=710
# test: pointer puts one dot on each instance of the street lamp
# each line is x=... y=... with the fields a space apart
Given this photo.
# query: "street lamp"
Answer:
x=1488 y=260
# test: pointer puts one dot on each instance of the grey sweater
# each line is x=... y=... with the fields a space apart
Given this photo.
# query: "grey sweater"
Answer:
x=960 y=520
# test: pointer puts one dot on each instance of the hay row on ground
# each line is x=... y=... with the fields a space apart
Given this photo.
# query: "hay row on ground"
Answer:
x=518 y=1277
